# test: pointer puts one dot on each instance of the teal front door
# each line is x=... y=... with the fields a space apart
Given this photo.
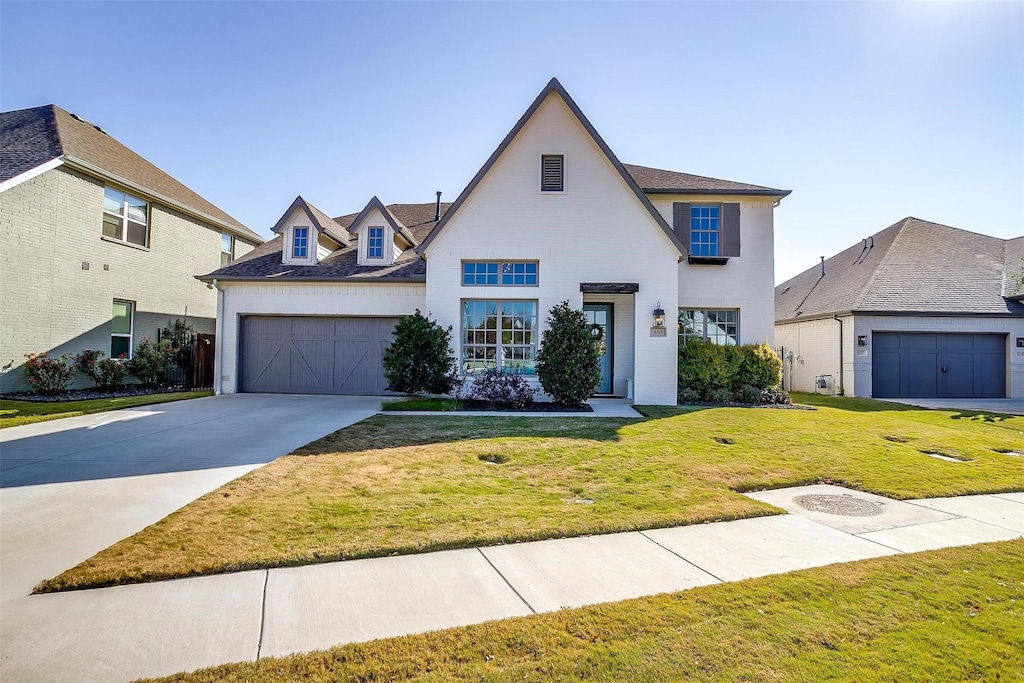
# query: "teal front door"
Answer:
x=599 y=317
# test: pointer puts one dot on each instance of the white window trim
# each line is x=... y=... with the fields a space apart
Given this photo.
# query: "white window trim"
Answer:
x=498 y=345
x=294 y=236
x=704 y=312
x=123 y=218
x=131 y=326
x=231 y=252
x=500 y=262
x=383 y=241
x=540 y=174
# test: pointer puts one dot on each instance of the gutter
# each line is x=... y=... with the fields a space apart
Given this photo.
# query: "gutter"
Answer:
x=299 y=281
x=81 y=165
x=741 y=193
x=217 y=355
x=839 y=320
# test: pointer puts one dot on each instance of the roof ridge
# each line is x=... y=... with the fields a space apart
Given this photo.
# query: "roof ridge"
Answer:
x=52 y=113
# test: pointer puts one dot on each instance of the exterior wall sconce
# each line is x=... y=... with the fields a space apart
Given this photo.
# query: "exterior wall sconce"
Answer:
x=659 y=316
x=862 y=340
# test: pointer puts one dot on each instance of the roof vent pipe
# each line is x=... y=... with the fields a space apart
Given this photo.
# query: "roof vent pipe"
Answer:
x=822 y=267
x=437 y=211
x=872 y=238
x=864 y=245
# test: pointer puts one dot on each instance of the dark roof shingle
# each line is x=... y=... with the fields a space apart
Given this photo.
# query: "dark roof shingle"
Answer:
x=660 y=181
x=30 y=137
x=914 y=266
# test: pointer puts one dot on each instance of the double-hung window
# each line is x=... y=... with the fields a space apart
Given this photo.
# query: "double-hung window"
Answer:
x=500 y=273
x=300 y=242
x=121 y=323
x=704 y=230
x=227 y=248
x=125 y=217
x=718 y=326
x=499 y=335
x=375 y=243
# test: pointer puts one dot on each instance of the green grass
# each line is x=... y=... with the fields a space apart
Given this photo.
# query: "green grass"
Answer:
x=444 y=404
x=15 y=413
x=404 y=484
x=944 y=615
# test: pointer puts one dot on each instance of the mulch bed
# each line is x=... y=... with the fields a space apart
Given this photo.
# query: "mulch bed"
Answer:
x=538 y=407
x=88 y=394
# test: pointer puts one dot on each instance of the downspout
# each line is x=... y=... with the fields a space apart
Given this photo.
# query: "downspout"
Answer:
x=219 y=335
x=839 y=320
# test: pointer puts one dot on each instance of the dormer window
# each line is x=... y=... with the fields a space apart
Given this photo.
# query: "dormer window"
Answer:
x=375 y=243
x=300 y=243
x=552 y=173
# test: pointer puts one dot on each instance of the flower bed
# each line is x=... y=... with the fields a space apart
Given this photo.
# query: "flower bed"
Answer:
x=87 y=394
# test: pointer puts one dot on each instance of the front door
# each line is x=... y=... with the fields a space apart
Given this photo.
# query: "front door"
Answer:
x=599 y=317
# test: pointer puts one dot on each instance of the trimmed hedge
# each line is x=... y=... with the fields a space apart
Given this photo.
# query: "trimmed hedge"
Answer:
x=715 y=373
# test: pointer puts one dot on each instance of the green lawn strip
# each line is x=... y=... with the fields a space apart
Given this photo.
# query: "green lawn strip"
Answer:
x=403 y=484
x=15 y=413
x=444 y=404
x=943 y=615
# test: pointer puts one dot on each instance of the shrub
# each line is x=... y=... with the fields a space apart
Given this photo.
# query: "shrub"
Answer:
x=718 y=395
x=49 y=375
x=501 y=389
x=687 y=395
x=151 y=360
x=105 y=373
x=420 y=358
x=775 y=395
x=747 y=394
x=568 y=363
x=759 y=367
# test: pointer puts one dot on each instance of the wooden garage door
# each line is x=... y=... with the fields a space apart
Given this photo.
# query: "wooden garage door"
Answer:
x=294 y=355
x=938 y=365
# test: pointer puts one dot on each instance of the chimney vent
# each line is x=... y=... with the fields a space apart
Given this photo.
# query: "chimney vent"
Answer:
x=437 y=211
x=822 y=266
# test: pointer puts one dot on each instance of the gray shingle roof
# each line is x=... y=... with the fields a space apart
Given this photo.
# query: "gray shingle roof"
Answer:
x=265 y=260
x=914 y=266
x=31 y=137
x=321 y=221
x=659 y=181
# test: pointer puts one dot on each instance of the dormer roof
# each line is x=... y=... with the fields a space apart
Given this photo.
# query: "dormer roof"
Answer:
x=395 y=224
x=323 y=223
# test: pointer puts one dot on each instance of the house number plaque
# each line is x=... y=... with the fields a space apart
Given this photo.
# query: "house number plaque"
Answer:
x=659 y=331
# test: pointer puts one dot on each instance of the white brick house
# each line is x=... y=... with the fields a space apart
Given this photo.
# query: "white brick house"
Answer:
x=552 y=215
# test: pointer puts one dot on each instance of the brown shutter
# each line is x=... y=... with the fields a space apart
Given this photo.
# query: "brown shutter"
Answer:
x=730 y=229
x=681 y=222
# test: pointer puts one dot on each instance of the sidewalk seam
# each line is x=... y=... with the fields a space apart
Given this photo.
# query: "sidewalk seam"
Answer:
x=507 y=582
x=263 y=614
x=716 y=578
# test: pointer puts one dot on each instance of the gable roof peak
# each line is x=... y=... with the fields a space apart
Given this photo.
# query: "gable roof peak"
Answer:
x=395 y=224
x=321 y=221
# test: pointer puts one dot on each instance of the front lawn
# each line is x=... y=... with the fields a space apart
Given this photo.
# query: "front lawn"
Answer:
x=15 y=413
x=403 y=484
x=944 y=615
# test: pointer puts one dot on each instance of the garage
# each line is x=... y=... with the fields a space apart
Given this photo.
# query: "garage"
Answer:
x=314 y=355
x=917 y=365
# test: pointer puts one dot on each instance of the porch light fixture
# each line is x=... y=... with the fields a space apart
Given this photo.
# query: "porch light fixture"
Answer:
x=659 y=316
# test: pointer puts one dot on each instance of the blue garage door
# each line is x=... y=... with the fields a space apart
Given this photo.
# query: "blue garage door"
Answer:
x=938 y=365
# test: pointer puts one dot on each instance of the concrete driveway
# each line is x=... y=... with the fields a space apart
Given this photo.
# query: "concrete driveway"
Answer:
x=71 y=487
x=1007 y=406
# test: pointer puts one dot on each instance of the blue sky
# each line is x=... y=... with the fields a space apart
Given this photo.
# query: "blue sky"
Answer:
x=869 y=112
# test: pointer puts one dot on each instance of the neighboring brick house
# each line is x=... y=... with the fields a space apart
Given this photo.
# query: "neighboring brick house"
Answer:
x=918 y=310
x=551 y=216
x=98 y=247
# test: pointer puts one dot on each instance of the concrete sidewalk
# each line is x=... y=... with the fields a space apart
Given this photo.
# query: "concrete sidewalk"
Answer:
x=126 y=632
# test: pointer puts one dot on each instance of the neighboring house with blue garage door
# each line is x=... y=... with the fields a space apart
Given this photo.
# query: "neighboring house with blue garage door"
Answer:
x=918 y=310
x=98 y=247
x=552 y=215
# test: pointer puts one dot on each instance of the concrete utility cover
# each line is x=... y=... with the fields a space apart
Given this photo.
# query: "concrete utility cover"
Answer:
x=845 y=505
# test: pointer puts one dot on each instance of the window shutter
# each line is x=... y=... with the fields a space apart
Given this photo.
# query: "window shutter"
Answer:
x=730 y=228
x=552 y=168
x=681 y=222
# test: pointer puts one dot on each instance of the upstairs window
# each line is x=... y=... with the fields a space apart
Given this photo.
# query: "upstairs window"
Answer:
x=704 y=230
x=500 y=273
x=125 y=217
x=300 y=243
x=552 y=173
x=227 y=248
x=121 y=323
x=375 y=243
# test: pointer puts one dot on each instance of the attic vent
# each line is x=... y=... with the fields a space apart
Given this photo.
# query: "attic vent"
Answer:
x=785 y=290
x=76 y=117
x=100 y=129
x=552 y=168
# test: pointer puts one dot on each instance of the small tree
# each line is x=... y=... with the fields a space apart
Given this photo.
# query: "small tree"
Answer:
x=180 y=334
x=151 y=361
x=420 y=358
x=568 y=363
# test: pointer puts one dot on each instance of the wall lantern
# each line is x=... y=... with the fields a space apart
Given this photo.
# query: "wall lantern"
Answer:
x=862 y=340
x=659 y=316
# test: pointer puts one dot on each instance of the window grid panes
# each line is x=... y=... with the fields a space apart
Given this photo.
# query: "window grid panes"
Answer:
x=300 y=243
x=718 y=326
x=125 y=217
x=499 y=334
x=227 y=248
x=503 y=273
x=375 y=245
x=121 y=321
x=704 y=230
